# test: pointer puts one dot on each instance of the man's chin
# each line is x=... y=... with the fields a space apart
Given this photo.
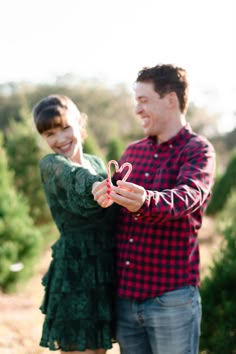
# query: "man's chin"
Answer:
x=146 y=132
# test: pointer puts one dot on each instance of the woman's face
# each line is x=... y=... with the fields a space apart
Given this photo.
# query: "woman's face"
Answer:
x=65 y=139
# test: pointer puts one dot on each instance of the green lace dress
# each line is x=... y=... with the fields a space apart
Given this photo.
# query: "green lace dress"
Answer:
x=79 y=284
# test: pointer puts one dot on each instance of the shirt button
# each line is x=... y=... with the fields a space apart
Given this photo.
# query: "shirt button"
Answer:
x=127 y=263
x=146 y=174
x=135 y=218
x=131 y=240
x=156 y=156
x=170 y=146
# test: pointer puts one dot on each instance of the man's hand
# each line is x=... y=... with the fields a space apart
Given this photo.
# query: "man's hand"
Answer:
x=129 y=195
x=101 y=193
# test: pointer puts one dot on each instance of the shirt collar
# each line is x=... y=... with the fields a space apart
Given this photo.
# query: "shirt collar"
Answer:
x=177 y=139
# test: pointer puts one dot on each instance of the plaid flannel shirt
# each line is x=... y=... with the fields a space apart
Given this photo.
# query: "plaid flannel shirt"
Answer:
x=157 y=247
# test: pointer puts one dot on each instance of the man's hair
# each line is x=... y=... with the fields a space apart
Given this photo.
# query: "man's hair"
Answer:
x=49 y=113
x=167 y=78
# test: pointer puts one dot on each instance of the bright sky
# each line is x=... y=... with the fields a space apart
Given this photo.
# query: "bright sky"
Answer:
x=112 y=40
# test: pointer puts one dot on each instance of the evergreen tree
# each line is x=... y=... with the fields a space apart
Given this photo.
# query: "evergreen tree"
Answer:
x=91 y=146
x=115 y=149
x=24 y=153
x=223 y=187
x=218 y=290
x=20 y=241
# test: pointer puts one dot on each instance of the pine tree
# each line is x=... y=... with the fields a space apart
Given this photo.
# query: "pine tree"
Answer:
x=24 y=152
x=218 y=289
x=115 y=149
x=20 y=241
x=91 y=146
x=223 y=187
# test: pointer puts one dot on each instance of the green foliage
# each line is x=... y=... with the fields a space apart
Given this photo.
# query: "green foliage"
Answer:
x=223 y=187
x=218 y=290
x=115 y=149
x=12 y=100
x=91 y=146
x=219 y=306
x=229 y=139
x=24 y=153
x=20 y=241
x=110 y=109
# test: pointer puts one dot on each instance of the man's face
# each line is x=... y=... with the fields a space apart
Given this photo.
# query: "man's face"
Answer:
x=152 y=109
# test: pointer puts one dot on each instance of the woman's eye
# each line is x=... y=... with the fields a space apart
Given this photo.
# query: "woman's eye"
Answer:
x=66 y=127
x=48 y=134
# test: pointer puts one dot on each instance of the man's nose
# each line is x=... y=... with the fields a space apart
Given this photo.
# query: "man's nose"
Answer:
x=138 y=109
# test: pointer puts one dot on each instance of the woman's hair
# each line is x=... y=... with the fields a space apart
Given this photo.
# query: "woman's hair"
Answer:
x=50 y=112
x=167 y=78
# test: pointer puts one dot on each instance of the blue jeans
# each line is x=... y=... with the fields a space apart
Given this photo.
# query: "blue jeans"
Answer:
x=167 y=324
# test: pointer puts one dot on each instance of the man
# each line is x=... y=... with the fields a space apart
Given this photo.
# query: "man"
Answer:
x=158 y=300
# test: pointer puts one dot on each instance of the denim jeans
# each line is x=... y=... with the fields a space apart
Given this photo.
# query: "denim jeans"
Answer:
x=167 y=324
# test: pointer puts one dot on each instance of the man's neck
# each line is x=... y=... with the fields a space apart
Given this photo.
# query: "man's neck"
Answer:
x=172 y=130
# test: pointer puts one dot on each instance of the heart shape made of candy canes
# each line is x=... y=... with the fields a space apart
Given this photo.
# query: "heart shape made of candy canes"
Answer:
x=119 y=169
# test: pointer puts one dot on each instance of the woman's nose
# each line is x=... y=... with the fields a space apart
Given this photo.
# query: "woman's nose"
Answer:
x=61 y=137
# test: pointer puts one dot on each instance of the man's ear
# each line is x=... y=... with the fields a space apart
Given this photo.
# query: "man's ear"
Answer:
x=173 y=100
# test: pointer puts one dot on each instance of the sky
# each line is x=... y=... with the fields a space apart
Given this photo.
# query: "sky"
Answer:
x=111 y=40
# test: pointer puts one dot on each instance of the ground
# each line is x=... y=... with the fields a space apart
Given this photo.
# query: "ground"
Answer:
x=21 y=320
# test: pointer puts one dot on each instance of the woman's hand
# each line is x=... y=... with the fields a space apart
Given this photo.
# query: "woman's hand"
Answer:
x=101 y=193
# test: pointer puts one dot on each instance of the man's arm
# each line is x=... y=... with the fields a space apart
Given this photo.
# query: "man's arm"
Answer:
x=192 y=189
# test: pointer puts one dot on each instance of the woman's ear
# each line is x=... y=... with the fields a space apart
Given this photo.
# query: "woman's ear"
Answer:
x=82 y=122
x=83 y=134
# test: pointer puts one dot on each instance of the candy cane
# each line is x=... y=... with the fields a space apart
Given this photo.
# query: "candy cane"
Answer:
x=117 y=169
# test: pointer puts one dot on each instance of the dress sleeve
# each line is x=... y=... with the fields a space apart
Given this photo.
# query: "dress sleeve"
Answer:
x=68 y=185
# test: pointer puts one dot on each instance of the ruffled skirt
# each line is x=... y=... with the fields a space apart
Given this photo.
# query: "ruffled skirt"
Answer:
x=79 y=294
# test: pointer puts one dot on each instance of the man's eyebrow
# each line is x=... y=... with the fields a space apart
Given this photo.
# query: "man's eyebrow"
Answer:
x=140 y=97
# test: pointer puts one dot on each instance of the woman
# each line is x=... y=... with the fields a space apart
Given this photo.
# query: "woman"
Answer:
x=78 y=302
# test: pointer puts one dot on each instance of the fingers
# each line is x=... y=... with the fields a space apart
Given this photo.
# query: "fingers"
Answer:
x=132 y=205
x=129 y=190
x=101 y=193
x=97 y=186
x=130 y=186
x=106 y=203
x=119 y=191
x=131 y=198
x=104 y=200
x=126 y=194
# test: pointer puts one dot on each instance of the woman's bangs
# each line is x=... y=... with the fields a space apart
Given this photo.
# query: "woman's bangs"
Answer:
x=47 y=121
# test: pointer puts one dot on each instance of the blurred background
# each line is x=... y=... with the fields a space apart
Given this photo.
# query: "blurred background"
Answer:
x=92 y=51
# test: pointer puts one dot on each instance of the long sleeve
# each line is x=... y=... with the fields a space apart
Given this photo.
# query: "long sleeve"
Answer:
x=192 y=188
x=68 y=185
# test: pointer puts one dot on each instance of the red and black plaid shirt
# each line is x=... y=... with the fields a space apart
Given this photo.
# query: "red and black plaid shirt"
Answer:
x=157 y=247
